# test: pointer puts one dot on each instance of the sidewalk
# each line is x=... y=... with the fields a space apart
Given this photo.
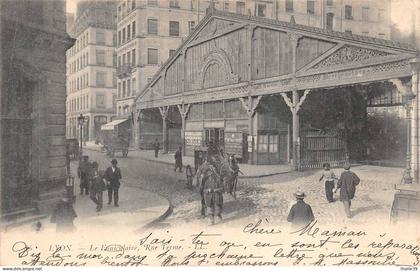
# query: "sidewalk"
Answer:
x=138 y=209
x=249 y=171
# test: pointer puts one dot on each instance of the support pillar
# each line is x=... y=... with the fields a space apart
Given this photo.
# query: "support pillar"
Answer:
x=250 y=104
x=294 y=106
x=164 y=113
x=138 y=130
x=415 y=127
x=183 y=110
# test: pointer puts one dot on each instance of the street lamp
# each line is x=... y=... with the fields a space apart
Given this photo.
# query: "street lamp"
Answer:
x=81 y=120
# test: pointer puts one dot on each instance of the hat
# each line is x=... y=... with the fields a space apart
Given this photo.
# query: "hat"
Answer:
x=299 y=194
x=114 y=161
x=347 y=166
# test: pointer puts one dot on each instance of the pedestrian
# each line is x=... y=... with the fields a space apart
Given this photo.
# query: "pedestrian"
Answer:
x=97 y=188
x=190 y=176
x=234 y=165
x=83 y=173
x=329 y=178
x=113 y=177
x=178 y=159
x=347 y=185
x=156 y=147
x=301 y=213
x=64 y=215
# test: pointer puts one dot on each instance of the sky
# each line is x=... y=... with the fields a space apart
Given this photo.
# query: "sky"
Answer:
x=71 y=6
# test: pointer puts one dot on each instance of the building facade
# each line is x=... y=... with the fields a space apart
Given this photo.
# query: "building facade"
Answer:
x=32 y=95
x=91 y=70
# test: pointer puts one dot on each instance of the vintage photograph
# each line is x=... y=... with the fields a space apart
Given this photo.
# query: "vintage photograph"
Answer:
x=210 y=133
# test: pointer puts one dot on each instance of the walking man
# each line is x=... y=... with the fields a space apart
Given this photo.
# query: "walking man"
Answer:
x=156 y=147
x=301 y=213
x=178 y=159
x=113 y=177
x=83 y=173
x=97 y=187
x=347 y=185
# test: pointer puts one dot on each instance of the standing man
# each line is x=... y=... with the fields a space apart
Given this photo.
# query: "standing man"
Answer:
x=156 y=147
x=301 y=213
x=83 y=173
x=178 y=159
x=113 y=177
x=347 y=185
x=97 y=187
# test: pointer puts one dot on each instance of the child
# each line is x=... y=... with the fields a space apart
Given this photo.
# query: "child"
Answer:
x=301 y=213
x=328 y=176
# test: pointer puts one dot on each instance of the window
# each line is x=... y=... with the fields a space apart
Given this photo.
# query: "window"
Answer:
x=173 y=28
x=119 y=61
x=260 y=10
x=119 y=89
x=119 y=13
x=124 y=59
x=128 y=57
x=152 y=56
x=100 y=79
x=114 y=101
x=87 y=58
x=348 y=31
x=128 y=87
x=289 y=5
x=153 y=3
x=133 y=29
x=123 y=89
x=152 y=26
x=133 y=85
x=114 y=79
x=268 y=143
x=149 y=79
x=174 y=4
x=114 y=39
x=171 y=52
x=272 y=143
x=263 y=143
x=114 y=60
x=100 y=37
x=129 y=32
x=133 y=4
x=381 y=14
x=133 y=56
x=119 y=37
x=191 y=25
x=348 y=12
x=100 y=100
x=240 y=7
x=310 y=7
x=226 y=6
x=365 y=14
x=100 y=57
x=330 y=2
x=330 y=21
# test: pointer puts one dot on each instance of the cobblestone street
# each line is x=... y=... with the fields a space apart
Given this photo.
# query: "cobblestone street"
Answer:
x=258 y=198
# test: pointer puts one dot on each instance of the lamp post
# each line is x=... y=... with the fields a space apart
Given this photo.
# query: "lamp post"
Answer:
x=81 y=119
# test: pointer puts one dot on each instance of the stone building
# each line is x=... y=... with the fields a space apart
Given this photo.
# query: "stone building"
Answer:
x=91 y=63
x=32 y=122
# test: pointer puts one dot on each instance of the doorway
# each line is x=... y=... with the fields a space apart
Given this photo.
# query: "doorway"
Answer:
x=215 y=135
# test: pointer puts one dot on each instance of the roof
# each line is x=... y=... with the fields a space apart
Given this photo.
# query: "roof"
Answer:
x=261 y=21
x=112 y=124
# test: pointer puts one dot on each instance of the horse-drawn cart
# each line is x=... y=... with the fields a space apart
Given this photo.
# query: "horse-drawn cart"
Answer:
x=115 y=137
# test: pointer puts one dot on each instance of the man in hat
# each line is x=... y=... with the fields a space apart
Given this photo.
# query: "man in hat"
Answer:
x=178 y=159
x=97 y=187
x=156 y=147
x=347 y=185
x=83 y=173
x=113 y=177
x=301 y=213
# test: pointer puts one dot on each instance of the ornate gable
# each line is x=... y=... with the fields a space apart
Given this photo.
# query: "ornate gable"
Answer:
x=215 y=27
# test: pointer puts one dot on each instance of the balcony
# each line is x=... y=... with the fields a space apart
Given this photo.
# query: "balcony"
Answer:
x=124 y=71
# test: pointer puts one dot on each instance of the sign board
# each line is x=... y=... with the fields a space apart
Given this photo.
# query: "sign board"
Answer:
x=214 y=124
x=193 y=138
x=234 y=143
x=249 y=143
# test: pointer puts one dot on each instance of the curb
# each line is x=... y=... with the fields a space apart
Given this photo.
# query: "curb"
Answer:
x=155 y=221
x=240 y=177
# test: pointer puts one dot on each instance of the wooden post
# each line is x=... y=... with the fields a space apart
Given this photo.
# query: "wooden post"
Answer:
x=164 y=113
x=183 y=110
x=250 y=104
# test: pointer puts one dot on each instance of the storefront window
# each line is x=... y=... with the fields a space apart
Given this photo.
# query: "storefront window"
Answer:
x=268 y=143
x=263 y=143
x=273 y=143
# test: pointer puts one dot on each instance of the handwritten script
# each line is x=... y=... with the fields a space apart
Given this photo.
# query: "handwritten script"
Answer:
x=256 y=244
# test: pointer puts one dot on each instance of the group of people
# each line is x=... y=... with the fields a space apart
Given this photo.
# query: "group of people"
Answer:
x=94 y=182
x=301 y=213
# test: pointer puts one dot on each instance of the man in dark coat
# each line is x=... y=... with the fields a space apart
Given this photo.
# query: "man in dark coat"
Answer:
x=156 y=147
x=301 y=213
x=347 y=185
x=113 y=177
x=178 y=159
x=97 y=187
x=83 y=173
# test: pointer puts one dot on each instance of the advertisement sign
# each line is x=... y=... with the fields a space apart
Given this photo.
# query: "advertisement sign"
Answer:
x=249 y=143
x=193 y=138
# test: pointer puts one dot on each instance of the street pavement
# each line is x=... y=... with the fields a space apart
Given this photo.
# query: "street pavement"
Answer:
x=266 y=197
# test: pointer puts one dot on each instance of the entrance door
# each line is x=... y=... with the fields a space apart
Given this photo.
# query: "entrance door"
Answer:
x=215 y=135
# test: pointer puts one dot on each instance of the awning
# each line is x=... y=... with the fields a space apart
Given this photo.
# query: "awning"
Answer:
x=112 y=124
